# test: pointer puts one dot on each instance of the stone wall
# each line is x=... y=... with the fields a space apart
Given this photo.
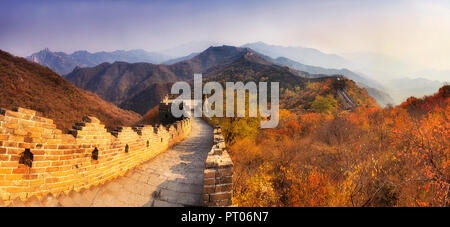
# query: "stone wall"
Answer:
x=218 y=174
x=36 y=158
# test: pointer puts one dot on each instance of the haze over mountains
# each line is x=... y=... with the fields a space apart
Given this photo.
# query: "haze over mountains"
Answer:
x=162 y=74
x=121 y=81
x=63 y=63
x=305 y=59
x=189 y=48
x=371 y=69
x=401 y=88
x=139 y=86
x=376 y=66
x=374 y=88
x=308 y=56
x=440 y=75
x=359 y=67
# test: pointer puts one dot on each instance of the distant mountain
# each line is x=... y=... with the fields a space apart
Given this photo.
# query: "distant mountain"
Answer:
x=372 y=70
x=30 y=85
x=251 y=66
x=373 y=87
x=120 y=81
x=176 y=60
x=188 y=48
x=59 y=62
x=379 y=66
x=382 y=98
x=139 y=86
x=396 y=75
x=320 y=70
x=63 y=63
x=441 y=75
x=308 y=56
x=298 y=89
x=401 y=89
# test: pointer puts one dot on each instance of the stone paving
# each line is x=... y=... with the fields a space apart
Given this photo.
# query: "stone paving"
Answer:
x=173 y=178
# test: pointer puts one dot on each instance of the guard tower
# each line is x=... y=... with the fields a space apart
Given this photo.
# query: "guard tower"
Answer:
x=165 y=113
x=339 y=82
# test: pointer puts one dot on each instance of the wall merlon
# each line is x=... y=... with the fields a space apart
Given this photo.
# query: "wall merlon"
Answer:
x=90 y=119
x=25 y=111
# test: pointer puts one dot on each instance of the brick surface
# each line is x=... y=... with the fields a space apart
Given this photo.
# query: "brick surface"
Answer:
x=149 y=174
x=171 y=178
x=63 y=162
x=218 y=175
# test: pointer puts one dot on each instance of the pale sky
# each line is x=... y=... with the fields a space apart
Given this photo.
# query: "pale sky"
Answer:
x=416 y=32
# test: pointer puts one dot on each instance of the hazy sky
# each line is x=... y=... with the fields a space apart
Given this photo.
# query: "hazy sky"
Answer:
x=416 y=32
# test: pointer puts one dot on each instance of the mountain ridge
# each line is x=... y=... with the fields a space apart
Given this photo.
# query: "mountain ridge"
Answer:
x=30 y=85
x=308 y=56
x=128 y=87
x=118 y=81
x=64 y=63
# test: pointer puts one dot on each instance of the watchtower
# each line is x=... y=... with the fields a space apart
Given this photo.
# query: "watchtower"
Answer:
x=165 y=113
x=339 y=82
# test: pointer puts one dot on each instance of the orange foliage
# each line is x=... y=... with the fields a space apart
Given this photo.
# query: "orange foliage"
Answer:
x=151 y=116
x=368 y=157
x=308 y=188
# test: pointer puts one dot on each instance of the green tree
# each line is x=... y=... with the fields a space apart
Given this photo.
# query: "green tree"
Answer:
x=324 y=104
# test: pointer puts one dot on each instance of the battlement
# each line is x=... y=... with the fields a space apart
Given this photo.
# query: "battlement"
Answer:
x=36 y=158
x=218 y=174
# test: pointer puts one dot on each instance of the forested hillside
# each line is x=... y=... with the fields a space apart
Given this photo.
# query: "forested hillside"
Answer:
x=30 y=85
x=366 y=157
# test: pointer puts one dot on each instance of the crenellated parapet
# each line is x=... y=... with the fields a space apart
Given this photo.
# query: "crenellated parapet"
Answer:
x=36 y=158
x=218 y=174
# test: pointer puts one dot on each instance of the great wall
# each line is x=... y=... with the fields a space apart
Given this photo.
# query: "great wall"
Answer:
x=218 y=174
x=339 y=84
x=183 y=163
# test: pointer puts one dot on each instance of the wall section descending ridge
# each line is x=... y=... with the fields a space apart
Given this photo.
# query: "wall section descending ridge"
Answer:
x=218 y=174
x=36 y=158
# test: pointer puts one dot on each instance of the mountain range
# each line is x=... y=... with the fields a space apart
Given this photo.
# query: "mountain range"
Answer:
x=139 y=86
x=308 y=56
x=377 y=81
x=118 y=81
x=401 y=89
x=63 y=63
x=374 y=71
x=374 y=88
x=30 y=85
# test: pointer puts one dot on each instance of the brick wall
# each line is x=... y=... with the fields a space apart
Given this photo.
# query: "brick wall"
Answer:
x=218 y=174
x=88 y=156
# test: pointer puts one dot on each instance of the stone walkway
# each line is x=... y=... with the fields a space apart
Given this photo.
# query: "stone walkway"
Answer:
x=173 y=178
